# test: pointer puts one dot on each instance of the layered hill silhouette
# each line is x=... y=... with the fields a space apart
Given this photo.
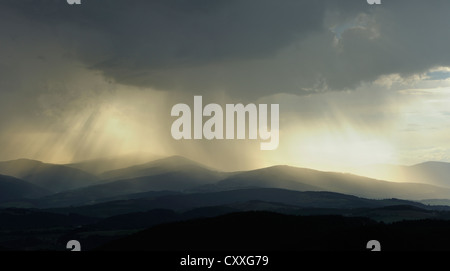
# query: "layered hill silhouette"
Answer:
x=101 y=165
x=178 y=194
x=303 y=179
x=431 y=172
x=147 y=219
x=168 y=174
x=179 y=174
x=236 y=199
x=12 y=188
x=52 y=177
x=163 y=166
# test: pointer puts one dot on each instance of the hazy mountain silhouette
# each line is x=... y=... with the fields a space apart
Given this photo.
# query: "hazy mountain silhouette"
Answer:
x=434 y=173
x=141 y=195
x=186 y=202
x=52 y=177
x=177 y=194
x=169 y=174
x=12 y=188
x=301 y=179
x=179 y=174
x=430 y=172
x=312 y=180
x=162 y=166
x=436 y=202
x=101 y=165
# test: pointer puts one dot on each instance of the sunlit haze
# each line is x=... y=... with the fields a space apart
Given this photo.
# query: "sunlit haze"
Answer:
x=74 y=89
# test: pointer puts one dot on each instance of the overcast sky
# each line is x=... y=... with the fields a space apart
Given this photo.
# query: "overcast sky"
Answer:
x=356 y=83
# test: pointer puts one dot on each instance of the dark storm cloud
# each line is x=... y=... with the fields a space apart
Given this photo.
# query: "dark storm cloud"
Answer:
x=194 y=45
x=246 y=48
x=68 y=73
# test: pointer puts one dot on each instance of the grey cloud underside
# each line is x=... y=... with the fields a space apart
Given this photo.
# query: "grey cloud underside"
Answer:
x=247 y=48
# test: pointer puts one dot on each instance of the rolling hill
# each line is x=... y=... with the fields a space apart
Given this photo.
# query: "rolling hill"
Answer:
x=233 y=198
x=431 y=172
x=285 y=177
x=55 y=178
x=169 y=174
x=162 y=166
x=178 y=174
x=12 y=188
x=303 y=179
x=101 y=165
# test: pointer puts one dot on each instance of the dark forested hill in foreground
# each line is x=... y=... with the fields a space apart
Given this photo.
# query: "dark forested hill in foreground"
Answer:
x=263 y=231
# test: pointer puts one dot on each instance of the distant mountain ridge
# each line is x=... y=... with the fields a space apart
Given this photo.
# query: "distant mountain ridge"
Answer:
x=174 y=173
x=176 y=189
x=430 y=172
x=180 y=174
x=304 y=179
x=233 y=198
x=156 y=167
x=101 y=165
x=52 y=177
x=12 y=188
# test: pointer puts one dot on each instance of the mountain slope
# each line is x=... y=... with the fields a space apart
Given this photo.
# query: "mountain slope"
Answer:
x=434 y=173
x=100 y=193
x=12 y=188
x=234 y=198
x=52 y=177
x=160 y=166
x=307 y=179
x=173 y=174
x=181 y=175
x=101 y=165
